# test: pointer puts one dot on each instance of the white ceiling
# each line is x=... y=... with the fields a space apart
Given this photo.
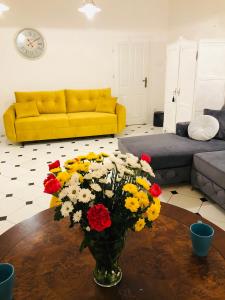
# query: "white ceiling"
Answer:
x=116 y=14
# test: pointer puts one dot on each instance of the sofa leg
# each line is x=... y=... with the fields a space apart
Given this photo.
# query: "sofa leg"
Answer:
x=112 y=135
x=22 y=144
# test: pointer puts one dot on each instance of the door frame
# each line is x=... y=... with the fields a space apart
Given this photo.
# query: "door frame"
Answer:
x=128 y=40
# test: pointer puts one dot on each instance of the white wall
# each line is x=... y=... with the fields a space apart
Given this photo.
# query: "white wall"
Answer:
x=79 y=53
x=73 y=59
x=196 y=19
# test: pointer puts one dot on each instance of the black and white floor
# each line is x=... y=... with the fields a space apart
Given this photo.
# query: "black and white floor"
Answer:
x=22 y=170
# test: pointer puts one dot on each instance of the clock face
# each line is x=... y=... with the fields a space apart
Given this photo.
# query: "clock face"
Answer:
x=30 y=43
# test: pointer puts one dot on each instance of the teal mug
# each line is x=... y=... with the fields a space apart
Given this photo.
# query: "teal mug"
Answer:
x=7 y=275
x=201 y=236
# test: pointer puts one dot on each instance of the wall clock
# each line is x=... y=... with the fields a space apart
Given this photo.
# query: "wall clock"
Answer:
x=30 y=43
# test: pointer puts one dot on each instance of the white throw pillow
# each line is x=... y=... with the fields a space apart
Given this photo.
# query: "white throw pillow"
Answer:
x=204 y=128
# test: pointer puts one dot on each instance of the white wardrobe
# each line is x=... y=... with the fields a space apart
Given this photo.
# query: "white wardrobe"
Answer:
x=195 y=79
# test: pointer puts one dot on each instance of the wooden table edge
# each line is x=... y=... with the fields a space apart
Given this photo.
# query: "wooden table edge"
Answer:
x=13 y=236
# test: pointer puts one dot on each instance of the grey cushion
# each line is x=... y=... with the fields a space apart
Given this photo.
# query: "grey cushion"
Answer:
x=211 y=165
x=220 y=116
x=182 y=129
x=168 y=150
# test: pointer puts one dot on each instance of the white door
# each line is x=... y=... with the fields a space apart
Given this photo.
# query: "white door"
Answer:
x=132 y=78
x=210 y=82
x=172 y=74
x=186 y=81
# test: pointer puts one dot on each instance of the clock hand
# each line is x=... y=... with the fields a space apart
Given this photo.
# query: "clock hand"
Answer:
x=36 y=40
x=30 y=42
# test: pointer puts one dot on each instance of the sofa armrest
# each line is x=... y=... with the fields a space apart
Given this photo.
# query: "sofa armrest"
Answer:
x=9 y=118
x=182 y=129
x=121 y=117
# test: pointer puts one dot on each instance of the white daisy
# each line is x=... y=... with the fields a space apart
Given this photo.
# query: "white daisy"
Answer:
x=94 y=166
x=64 y=193
x=72 y=192
x=97 y=174
x=128 y=171
x=75 y=180
x=132 y=157
x=77 y=216
x=66 y=209
x=103 y=180
x=88 y=176
x=96 y=187
x=109 y=193
x=85 y=196
x=147 y=168
x=108 y=165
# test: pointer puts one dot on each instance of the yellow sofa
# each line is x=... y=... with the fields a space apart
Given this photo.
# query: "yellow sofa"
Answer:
x=63 y=114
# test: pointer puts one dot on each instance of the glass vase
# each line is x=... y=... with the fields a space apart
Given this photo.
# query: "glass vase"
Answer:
x=107 y=272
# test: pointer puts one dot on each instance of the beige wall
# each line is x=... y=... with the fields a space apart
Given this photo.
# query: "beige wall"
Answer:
x=196 y=19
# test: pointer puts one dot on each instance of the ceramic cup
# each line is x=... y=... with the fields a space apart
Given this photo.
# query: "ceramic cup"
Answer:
x=201 y=236
x=6 y=281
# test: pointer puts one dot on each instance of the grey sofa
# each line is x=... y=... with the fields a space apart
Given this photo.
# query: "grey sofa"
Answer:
x=177 y=158
x=208 y=175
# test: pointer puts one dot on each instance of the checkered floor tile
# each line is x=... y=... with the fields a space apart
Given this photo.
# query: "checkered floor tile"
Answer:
x=22 y=169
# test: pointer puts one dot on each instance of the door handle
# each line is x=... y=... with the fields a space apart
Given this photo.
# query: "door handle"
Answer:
x=146 y=82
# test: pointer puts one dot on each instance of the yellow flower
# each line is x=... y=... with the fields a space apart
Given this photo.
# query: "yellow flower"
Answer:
x=56 y=170
x=153 y=212
x=157 y=202
x=69 y=163
x=104 y=154
x=79 y=167
x=99 y=158
x=132 y=204
x=131 y=188
x=143 y=199
x=92 y=156
x=143 y=182
x=81 y=157
x=55 y=202
x=139 y=225
x=81 y=178
x=63 y=177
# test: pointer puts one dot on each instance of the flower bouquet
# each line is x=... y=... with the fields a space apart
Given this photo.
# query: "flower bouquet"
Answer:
x=106 y=195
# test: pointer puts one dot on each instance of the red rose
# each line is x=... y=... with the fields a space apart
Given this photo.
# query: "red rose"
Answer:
x=54 y=165
x=146 y=157
x=98 y=217
x=52 y=186
x=155 y=190
x=50 y=176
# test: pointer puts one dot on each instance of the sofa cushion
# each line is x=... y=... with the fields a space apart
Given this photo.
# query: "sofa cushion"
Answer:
x=220 y=116
x=168 y=150
x=42 y=122
x=84 y=100
x=107 y=105
x=82 y=119
x=204 y=128
x=52 y=102
x=212 y=166
x=26 y=109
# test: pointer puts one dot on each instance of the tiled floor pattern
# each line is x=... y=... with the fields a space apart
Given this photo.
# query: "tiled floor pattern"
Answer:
x=22 y=169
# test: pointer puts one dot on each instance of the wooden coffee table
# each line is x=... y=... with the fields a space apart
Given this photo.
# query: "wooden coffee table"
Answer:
x=157 y=264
